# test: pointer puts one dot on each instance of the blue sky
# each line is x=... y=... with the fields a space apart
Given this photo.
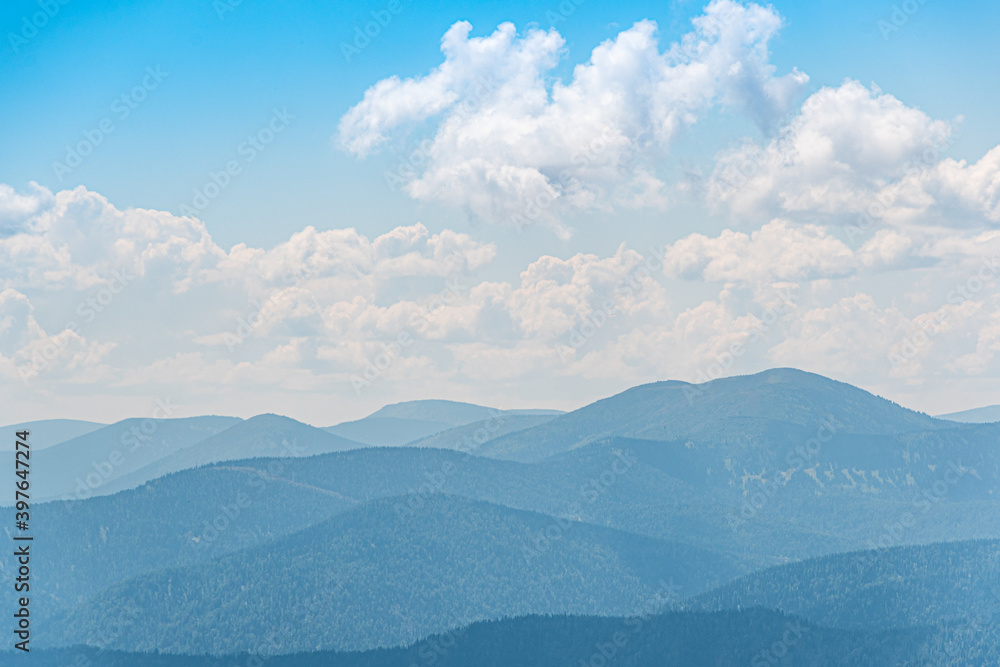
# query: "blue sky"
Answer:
x=227 y=68
x=226 y=74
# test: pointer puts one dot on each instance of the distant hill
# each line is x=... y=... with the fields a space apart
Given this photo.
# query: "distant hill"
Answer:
x=989 y=414
x=87 y=464
x=183 y=518
x=470 y=437
x=876 y=590
x=266 y=435
x=95 y=543
x=664 y=490
x=387 y=431
x=722 y=410
x=403 y=423
x=453 y=413
x=698 y=483
x=377 y=577
x=46 y=432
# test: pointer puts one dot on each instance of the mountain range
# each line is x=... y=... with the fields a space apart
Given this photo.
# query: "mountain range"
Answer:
x=736 y=506
x=988 y=414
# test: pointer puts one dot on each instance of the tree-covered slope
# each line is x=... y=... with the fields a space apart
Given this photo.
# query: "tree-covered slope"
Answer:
x=376 y=576
x=469 y=437
x=747 y=638
x=719 y=410
x=876 y=589
x=189 y=517
x=90 y=463
x=266 y=435
x=46 y=432
x=387 y=431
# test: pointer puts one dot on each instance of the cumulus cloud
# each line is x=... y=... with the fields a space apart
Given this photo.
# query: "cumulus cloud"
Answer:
x=858 y=156
x=18 y=207
x=783 y=251
x=79 y=240
x=88 y=267
x=252 y=326
x=509 y=147
x=26 y=349
x=956 y=193
x=834 y=157
x=778 y=251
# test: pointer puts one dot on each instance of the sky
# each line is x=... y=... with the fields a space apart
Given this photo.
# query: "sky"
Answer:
x=316 y=209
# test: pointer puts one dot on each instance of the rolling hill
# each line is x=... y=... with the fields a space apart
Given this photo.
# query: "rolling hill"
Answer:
x=87 y=464
x=754 y=637
x=402 y=423
x=666 y=491
x=378 y=577
x=46 y=432
x=935 y=584
x=183 y=518
x=387 y=431
x=469 y=437
x=988 y=414
x=749 y=482
x=261 y=436
x=453 y=413
x=725 y=410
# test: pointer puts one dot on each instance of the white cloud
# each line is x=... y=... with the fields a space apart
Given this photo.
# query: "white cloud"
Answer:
x=778 y=251
x=857 y=154
x=27 y=350
x=835 y=157
x=849 y=338
x=508 y=147
x=317 y=309
x=17 y=207
x=957 y=193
